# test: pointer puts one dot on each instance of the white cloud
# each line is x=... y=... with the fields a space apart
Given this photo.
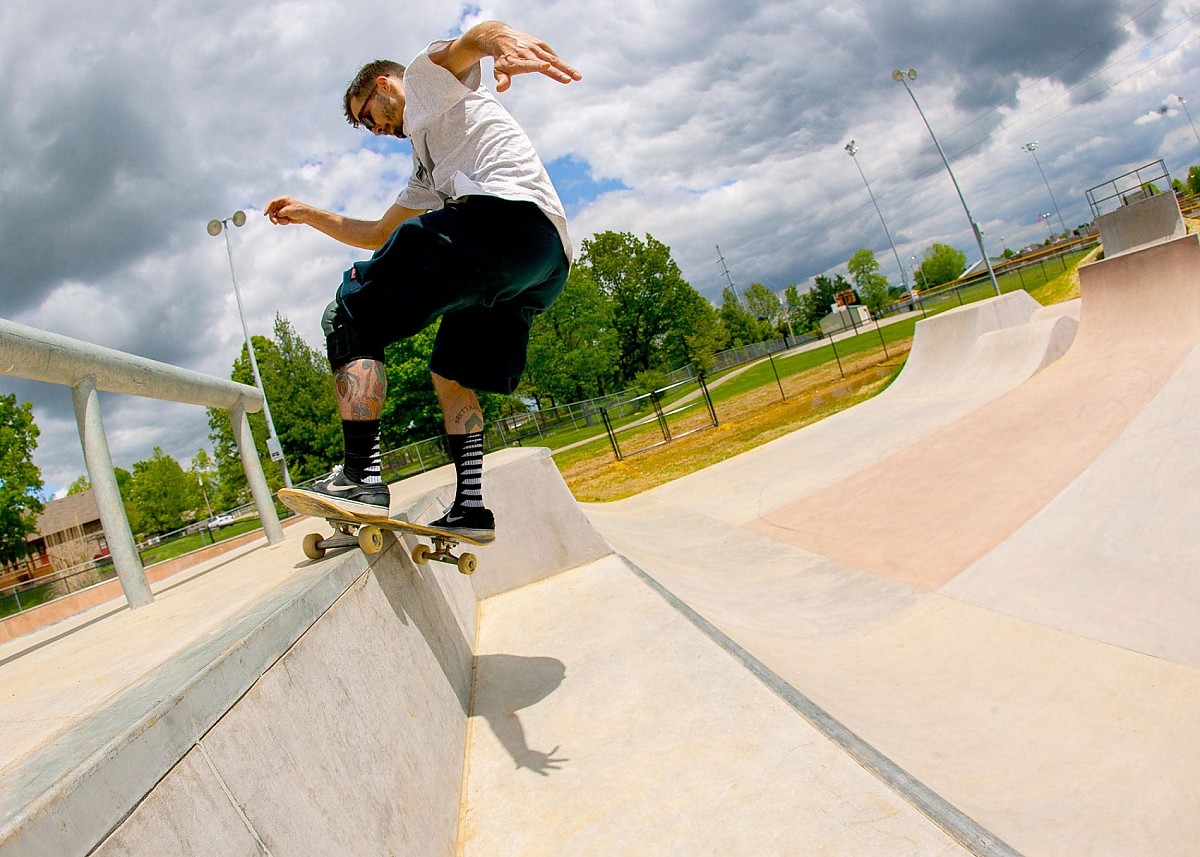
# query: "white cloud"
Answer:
x=725 y=123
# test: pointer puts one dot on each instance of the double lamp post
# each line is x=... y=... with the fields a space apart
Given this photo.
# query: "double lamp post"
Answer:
x=274 y=448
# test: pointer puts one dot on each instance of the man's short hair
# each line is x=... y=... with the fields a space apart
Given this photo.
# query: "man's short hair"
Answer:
x=363 y=80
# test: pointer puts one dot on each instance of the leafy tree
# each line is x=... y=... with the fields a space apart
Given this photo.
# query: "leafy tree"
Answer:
x=941 y=263
x=794 y=309
x=763 y=303
x=818 y=300
x=411 y=411
x=696 y=335
x=873 y=286
x=573 y=346
x=1193 y=179
x=646 y=289
x=20 y=479
x=205 y=476
x=162 y=495
x=81 y=484
x=740 y=324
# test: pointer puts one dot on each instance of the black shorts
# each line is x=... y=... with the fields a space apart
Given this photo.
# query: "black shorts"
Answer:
x=485 y=265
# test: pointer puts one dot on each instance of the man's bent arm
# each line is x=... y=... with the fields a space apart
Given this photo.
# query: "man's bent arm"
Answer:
x=367 y=234
x=513 y=53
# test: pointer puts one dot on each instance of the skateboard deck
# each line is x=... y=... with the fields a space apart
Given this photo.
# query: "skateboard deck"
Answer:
x=366 y=531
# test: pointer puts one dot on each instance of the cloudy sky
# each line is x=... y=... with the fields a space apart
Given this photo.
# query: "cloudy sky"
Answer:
x=128 y=126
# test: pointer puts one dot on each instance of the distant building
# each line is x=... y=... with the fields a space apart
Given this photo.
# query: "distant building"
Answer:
x=68 y=533
x=845 y=318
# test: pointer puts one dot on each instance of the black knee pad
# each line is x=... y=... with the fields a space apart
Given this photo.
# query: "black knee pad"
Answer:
x=343 y=341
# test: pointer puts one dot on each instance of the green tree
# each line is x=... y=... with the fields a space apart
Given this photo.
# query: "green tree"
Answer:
x=205 y=475
x=81 y=484
x=696 y=334
x=163 y=496
x=741 y=326
x=873 y=286
x=299 y=389
x=573 y=347
x=20 y=478
x=818 y=300
x=646 y=289
x=1193 y=179
x=763 y=303
x=794 y=309
x=940 y=264
x=411 y=411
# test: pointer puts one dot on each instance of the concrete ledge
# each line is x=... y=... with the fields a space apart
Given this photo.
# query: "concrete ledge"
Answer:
x=1141 y=224
x=541 y=530
x=268 y=688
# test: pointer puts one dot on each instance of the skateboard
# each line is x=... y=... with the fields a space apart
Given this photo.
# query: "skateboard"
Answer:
x=366 y=531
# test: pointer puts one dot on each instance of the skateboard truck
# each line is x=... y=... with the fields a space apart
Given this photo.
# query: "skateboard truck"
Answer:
x=442 y=552
x=369 y=537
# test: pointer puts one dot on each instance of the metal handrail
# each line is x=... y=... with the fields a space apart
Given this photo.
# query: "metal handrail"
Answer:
x=88 y=369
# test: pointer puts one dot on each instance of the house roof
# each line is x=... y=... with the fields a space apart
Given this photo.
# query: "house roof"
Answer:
x=74 y=510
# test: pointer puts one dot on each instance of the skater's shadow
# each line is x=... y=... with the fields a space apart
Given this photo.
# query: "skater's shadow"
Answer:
x=504 y=684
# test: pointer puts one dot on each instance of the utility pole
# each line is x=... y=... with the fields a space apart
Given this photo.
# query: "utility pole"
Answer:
x=725 y=268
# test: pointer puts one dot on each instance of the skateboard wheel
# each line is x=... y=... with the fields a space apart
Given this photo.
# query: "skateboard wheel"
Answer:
x=467 y=563
x=312 y=546
x=370 y=539
x=420 y=554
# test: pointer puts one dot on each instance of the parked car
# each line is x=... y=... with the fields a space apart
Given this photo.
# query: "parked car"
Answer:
x=220 y=521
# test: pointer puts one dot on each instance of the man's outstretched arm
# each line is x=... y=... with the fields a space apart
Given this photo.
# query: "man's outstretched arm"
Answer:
x=512 y=52
x=367 y=234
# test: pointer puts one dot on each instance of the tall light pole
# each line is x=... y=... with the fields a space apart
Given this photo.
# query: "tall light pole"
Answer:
x=852 y=151
x=1186 y=113
x=911 y=74
x=215 y=228
x=1031 y=148
x=1044 y=217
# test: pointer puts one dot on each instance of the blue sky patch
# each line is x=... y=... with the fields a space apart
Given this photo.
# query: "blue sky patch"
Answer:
x=573 y=180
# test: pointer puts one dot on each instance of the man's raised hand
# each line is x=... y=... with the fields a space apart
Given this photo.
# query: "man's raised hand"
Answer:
x=514 y=52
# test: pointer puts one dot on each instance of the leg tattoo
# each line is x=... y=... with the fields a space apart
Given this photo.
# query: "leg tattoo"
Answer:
x=469 y=419
x=361 y=386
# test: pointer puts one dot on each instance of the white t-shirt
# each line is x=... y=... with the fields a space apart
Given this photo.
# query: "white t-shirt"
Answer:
x=464 y=142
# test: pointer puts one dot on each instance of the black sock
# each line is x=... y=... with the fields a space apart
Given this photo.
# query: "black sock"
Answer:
x=362 y=451
x=467 y=451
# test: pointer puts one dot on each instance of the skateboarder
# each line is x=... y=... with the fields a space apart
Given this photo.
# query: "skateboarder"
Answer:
x=477 y=238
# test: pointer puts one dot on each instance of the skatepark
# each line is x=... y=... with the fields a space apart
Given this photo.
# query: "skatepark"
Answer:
x=959 y=618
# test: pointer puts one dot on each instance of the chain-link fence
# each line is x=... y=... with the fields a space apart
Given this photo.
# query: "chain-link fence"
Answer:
x=692 y=411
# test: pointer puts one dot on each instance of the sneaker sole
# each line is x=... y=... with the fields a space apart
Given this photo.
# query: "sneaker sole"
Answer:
x=353 y=507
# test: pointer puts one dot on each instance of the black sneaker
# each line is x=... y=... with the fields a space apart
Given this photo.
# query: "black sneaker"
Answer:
x=354 y=496
x=474 y=522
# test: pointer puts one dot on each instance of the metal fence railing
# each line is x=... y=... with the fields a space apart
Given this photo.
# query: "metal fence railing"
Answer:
x=1133 y=186
x=88 y=369
x=656 y=428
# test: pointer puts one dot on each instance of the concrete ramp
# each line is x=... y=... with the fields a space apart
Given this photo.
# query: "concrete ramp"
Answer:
x=963 y=359
x=979 y=479
x=1007 y=607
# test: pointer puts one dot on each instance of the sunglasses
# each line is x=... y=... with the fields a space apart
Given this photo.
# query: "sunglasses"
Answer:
x=364 y=118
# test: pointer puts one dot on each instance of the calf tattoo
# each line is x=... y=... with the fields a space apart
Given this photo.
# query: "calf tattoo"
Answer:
x=361 y=386
x=470 y=419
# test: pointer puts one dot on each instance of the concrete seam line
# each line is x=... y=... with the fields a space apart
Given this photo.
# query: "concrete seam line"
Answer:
x=232 y=800
x=953 y=821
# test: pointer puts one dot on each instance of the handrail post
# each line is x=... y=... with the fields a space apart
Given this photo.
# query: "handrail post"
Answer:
x=98 y=459
x=254 y=474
